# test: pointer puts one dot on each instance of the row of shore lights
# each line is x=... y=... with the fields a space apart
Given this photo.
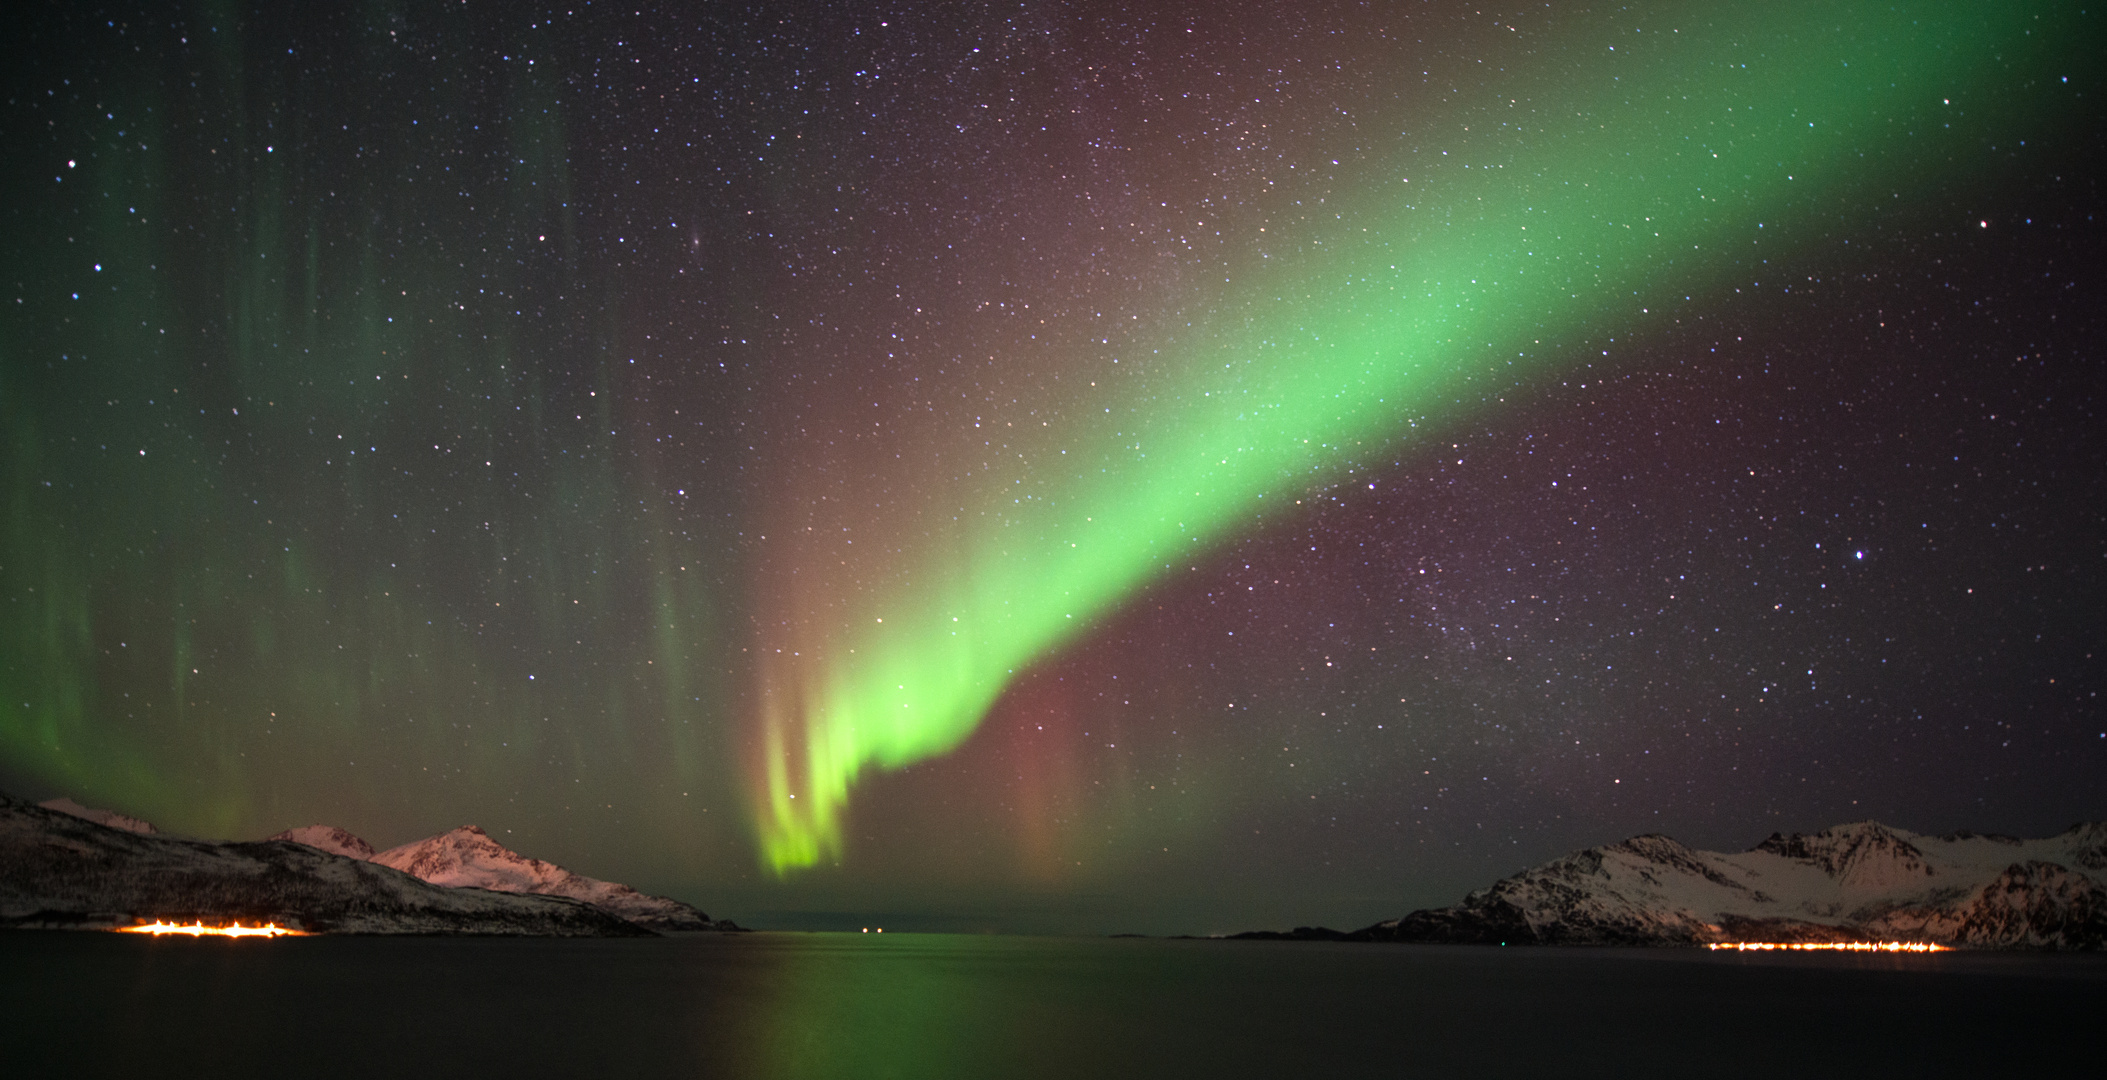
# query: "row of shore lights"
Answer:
x=1841 y=946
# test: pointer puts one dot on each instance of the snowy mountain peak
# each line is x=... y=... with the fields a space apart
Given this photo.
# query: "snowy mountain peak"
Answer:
x=1862 y=881
x=2035 y=905
x=2087 y=842
x=64 y=864
x=111 y=818
x=1971 y=834
x=328 y=838
x=63 y=870
x=468 y=857
x=1863 y=854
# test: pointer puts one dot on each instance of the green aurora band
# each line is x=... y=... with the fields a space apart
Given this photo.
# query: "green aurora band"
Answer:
x=1615 y=177
x=205 y=596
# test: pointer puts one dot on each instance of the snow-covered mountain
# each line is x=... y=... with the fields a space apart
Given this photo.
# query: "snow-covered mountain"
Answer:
x=62 y=870
x=467 y=856
x=111 y=818
x=1863 y=881
x=329 y=838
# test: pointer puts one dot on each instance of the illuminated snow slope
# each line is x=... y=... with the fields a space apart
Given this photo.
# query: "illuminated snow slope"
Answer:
x=111 y=818
x=468 y=857
x=64 y=871
x=1863 y=881
x=329 y=838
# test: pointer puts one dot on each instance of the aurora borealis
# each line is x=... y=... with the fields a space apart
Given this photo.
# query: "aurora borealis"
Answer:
x=1117 y=468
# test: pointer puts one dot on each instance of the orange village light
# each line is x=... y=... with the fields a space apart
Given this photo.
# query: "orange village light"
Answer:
x=1841 y=946
x=158 y=929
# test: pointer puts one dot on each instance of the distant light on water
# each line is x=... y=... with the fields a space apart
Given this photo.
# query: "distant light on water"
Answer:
x=1839 y=946
x=158 y=929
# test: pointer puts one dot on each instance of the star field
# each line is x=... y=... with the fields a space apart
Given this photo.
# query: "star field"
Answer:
x=1076 y=467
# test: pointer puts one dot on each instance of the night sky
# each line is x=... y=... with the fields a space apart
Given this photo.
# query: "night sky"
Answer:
x=1055 y=467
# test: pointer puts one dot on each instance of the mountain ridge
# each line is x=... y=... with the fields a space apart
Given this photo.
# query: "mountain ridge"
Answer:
x=65 y=871
x=73 y=866
x=1862 y=881
x=467 y=857
x=111 y=818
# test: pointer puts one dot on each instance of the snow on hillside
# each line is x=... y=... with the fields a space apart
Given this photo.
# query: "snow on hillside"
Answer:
x=111 y=818
x=467 y=856
x=329 y=838
x=66 y=871
x=1850 y=882
x=465 y=860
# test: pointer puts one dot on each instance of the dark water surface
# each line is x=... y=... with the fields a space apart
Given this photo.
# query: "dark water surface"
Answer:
x=913 y=1005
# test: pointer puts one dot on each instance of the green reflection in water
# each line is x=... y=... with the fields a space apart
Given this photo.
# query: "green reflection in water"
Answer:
x=897 y=1005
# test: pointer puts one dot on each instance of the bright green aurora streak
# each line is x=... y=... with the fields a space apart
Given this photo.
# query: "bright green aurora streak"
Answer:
x=1621 y=174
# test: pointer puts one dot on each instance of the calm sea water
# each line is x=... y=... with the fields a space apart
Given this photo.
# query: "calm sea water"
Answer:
x=922 y=1006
